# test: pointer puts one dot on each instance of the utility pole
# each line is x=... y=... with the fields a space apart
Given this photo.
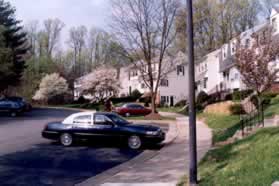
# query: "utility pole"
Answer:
x=192 y=108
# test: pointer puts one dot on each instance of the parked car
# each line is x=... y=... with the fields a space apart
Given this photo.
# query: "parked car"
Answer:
x=132 y=109
x=11 y=107
x=102 y=126
x=27 y=106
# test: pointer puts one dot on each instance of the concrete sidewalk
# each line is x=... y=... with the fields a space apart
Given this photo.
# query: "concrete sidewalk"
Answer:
x=166 y=167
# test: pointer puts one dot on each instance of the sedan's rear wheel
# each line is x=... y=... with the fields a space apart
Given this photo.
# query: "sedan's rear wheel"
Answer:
x=127 y=114
x=66 y=139
x=134 y=142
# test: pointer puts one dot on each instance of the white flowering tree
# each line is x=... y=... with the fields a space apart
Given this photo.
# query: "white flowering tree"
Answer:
x=52 y=85
x=101 y=83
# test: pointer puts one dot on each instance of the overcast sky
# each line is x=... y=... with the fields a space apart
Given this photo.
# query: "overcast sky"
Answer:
x=71 y=12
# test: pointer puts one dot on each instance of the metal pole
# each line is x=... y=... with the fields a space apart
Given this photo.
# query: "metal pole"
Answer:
x=192 y=109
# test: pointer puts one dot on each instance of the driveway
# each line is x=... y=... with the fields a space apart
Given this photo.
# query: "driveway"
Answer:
x=28 y=159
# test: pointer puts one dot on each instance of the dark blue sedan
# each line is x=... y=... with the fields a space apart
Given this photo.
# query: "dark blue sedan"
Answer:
x=100 y=126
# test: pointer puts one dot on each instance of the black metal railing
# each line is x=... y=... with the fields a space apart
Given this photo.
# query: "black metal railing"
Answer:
x=251 y=120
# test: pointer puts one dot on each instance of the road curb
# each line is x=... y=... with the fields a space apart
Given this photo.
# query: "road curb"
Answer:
x=144 y=156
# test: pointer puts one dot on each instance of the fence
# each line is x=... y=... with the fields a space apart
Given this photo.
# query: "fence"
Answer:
x=254 y=118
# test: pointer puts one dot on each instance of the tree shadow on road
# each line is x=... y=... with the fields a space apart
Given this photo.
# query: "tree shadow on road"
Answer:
x=53 y=164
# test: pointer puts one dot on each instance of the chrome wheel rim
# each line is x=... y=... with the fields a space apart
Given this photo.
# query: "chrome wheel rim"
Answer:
x=134 y=142
x=13 y=114
x=127 y=114
x=66 y=139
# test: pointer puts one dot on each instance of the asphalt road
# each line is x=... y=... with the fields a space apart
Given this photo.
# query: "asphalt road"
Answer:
x=28 y=159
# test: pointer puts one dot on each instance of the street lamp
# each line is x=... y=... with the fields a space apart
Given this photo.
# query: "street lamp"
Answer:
x=192 y=110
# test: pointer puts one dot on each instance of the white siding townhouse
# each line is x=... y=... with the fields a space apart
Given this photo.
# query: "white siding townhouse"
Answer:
x=172 y=88
x=217 y=71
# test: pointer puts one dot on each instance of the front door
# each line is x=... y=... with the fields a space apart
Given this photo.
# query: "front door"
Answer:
x=171 y=101
x=105 y=129
x=83 y=127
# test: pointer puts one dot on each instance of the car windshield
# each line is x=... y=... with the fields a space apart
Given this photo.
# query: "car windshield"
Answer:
x=118 y=120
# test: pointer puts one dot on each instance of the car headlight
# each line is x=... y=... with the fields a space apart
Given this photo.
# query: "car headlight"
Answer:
x=153 y=133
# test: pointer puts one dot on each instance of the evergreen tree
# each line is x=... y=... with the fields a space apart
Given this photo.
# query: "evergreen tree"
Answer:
x=14 y=47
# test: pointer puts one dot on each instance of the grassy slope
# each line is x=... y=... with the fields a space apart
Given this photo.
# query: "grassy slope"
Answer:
x=252 y=161
x=223 y=126
x=273 y=108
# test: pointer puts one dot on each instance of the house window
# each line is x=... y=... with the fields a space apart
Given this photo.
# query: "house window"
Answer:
x=274 y=25
x=133 y=73
x=163 y=99
x=225 y=54
x=236 y=76
x=164 y=83
x=233 y=47
x=205 y=82
x=264 y=35
x=180 y=70
x=247 y=43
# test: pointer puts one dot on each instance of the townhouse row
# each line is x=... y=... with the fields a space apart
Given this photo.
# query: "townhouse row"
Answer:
x=215 y=72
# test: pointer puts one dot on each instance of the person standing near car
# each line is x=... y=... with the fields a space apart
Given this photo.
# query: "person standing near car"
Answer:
x=108 y=105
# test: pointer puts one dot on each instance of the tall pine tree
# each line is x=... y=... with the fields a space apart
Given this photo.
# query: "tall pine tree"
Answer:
x=13 y=47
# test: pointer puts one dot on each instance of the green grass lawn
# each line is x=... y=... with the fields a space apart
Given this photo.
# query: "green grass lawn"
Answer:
x=170 y=109
x=249 y=162
x=143 y=118
x=273 y=108
x=223 y=126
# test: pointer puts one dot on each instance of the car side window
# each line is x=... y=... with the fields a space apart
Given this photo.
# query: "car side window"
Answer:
x=85 y=119
x=100 y=119
x=132 y=106
x=140 y=107
x=136 y=106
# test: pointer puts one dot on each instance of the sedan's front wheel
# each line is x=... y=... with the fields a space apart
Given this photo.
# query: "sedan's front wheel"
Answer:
x=66 y=139
x=134 y=142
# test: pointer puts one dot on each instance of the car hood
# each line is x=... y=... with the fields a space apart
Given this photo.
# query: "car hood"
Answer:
x=143 y=127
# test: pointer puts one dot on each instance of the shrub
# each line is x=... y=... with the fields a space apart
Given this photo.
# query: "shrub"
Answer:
x=239 y=95
x=123 y=99
x=269 y=95
x=136 y=94
x=61 y=99
x=228 y=97
x=266 y=99
x=81 y=100
x=237 y=109
x=213 y=98
x=145 y=100
x=181 y=103
x=202 y=98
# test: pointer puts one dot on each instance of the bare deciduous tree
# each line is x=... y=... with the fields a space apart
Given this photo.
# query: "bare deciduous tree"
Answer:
x=32 y=29
x=146 y=28
x=51 y=34
x=77 y=43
